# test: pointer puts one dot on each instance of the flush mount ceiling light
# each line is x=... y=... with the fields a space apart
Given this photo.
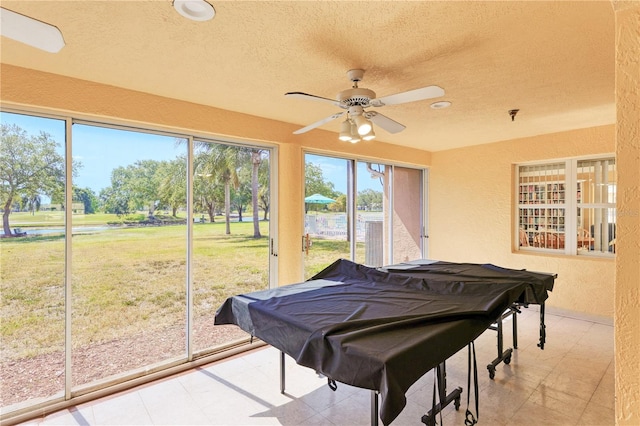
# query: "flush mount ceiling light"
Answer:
x=196 y=10
x=30 y=31
x=441 y=104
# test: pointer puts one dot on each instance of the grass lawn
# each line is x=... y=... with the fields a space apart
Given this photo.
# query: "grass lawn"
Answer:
x=126 y=280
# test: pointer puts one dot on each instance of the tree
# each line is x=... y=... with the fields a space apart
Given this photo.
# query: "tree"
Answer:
x=252 y=174
x=87 y=197
x=221 y=163
x=315 y=184
x=340 y=205
x=117 y=197
x=133 y=187
x=241 y=198
x=263 y=191
x=145 y=185
x=226 y=163
x=29 y=166
x=172 y=176
x=31 y=202
x=256 y=160
x=370 y=200
x=207 y=192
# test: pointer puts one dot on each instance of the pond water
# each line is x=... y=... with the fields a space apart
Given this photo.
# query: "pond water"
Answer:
x=75 y=230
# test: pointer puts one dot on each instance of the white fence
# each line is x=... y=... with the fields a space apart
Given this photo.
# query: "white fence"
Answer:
x=334 y=225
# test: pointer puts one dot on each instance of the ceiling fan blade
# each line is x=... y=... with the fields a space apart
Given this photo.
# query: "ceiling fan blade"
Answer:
x=307 y=96
x=319 y=123
x=385 y=122
x=410 y=96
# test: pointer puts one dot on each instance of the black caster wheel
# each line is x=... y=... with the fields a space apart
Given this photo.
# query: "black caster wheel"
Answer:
x=507 y=360
x=492 y=371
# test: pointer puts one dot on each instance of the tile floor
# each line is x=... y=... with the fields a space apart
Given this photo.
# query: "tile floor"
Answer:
x=570 y=382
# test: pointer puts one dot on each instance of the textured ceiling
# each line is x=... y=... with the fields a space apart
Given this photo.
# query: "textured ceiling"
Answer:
x=552 y=60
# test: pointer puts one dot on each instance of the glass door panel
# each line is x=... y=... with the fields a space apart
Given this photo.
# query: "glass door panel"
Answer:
x=326 y=224
x=372 y=227
x=129 y=252
x=230 y=233
x=32 y=259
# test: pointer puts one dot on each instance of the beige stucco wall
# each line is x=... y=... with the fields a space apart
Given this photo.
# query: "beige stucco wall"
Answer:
x=627 y=288
x=407 y=224
x=471 y=205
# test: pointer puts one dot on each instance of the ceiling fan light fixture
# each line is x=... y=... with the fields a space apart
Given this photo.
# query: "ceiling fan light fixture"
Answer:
x=30 y=31
x=345 y=131
x=364 y=126
x=369 y=136
x=196 y=10
x=355 y=136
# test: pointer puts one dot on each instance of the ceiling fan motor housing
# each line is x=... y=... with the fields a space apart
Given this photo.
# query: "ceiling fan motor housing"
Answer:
x=356 y=96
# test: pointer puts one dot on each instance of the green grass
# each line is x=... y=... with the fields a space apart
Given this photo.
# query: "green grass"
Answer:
x=127 y=280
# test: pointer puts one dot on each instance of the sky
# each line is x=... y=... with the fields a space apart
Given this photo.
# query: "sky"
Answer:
x=335 y=170
x=100 y=150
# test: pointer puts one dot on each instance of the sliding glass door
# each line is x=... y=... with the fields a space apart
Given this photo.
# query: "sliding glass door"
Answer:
x=118 y=245
x=129 y=252
x=371 y=223
x=371 y=213
x=32 y=259
x=231 y=208
x=326 y=212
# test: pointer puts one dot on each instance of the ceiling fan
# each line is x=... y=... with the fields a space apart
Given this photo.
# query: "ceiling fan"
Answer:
x=356 y=99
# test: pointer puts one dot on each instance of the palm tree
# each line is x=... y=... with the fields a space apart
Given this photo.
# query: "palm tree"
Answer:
x=173 y=183
x=256 y=160
x=263 y=193
x=220 y=162
x=32 y=202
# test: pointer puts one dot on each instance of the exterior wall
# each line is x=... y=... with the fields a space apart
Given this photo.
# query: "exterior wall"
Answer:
x=472 y=207
x=627 y=288
x=407 y=225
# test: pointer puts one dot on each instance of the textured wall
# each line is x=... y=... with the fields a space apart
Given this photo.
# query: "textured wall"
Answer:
x=472 y=202
x=627 y=299
x=406 y=214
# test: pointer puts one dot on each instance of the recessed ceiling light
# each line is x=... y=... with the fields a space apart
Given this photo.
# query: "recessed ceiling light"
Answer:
x=441 y=104
x=196 y=10
x=30 y=31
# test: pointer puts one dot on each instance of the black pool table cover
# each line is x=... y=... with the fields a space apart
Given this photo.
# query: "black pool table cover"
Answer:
x=374 y=329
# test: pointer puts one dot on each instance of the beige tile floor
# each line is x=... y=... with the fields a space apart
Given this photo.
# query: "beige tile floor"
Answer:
x=570 y=382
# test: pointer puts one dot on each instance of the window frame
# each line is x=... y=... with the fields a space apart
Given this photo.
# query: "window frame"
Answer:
x=571 y=206
x=71 y=393
x=352 y=188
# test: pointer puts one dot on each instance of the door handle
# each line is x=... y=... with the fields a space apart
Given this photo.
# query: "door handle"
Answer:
x=306 y=243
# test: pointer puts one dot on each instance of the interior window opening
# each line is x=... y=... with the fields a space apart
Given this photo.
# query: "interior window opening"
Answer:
x=568 y=207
